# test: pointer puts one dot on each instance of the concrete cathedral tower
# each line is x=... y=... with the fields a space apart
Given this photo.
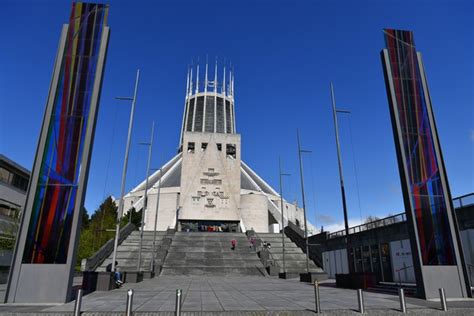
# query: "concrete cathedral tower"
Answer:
x=207 y=186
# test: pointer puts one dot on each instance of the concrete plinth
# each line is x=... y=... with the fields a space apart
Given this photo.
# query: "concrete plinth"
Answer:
x=313 y=276
x=133 y=276
x=288 y=275
x=105 y=281
x=273 y=271
x=148 y=274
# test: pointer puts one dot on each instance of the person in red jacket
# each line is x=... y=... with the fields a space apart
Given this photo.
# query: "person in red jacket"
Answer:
x=233 y=242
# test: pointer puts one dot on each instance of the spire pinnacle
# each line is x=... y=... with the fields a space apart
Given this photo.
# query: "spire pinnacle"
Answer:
x=197 y=77
x=215 y=76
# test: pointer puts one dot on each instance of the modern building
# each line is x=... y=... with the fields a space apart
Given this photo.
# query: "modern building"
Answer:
x=383 y=246
x=207 y=185
x=13 y=186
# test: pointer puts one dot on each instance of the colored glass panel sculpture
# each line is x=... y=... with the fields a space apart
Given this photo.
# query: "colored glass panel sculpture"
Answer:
x=49 y=229
x=422 y=166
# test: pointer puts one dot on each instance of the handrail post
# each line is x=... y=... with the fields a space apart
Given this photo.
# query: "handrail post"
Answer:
x=179 y=293
x=360 y=300
x=401 y=296
x=129 y=306
x=77 y=304
x=316 y=297
x=442 y=297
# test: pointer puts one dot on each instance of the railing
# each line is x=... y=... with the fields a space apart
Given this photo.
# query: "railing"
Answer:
x=296 y=234
x=464 y=200
x=91 y=263
x=395 y=219
x=461 y=201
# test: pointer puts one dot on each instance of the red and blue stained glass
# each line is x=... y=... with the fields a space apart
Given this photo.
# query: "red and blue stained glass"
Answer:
x=50 y=225
x=422 y=166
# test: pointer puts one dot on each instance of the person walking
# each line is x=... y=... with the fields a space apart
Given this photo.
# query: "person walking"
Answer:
x=233 y=243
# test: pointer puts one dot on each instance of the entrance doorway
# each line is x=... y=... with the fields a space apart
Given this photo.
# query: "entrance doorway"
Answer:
x=210 y=226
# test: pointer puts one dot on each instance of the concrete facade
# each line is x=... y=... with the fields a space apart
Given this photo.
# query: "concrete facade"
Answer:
x=210 y=177
x=207 y=180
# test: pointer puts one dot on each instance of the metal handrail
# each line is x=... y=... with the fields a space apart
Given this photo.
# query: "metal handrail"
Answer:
x=462 y=198
x=91 y=263
x=395 y=219
x=398 y=218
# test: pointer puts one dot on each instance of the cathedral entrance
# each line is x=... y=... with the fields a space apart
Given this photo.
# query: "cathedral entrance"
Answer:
x=209 y=226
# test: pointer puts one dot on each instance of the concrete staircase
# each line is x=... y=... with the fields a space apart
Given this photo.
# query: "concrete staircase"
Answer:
x=210 y=253
x=127 y=251
x=295 y=258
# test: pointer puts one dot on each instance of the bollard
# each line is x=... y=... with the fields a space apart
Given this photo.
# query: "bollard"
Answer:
x=179 y=293
x=77 y=305
x=128 y=310
x=316 y=297
x=403 y=305
x=442 y=297
x=360 y=299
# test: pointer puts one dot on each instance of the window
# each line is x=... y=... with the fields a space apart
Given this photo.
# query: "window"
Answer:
x=219 y=147
x=191 y=147
x=231 y=151
x=5 y=175
x=203 y=146
x=20 y=182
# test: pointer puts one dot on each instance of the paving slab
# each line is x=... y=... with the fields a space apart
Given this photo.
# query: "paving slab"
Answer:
x=244 y=295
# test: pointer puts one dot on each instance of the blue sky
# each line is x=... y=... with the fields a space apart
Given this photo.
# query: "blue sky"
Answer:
x=285 y=53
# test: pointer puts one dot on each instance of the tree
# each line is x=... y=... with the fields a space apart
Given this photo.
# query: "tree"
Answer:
x=136 y=217
x=97 y=230
x=85 y=219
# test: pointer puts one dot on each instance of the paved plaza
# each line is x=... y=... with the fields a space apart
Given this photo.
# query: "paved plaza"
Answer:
x=240 y=294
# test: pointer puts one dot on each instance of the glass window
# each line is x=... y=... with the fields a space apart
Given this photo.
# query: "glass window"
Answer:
x=189 y=123
x=5 y=175
x=191 y=147
x=220 y=116
x=231 y=150
x=209 y=114
x=199 y=114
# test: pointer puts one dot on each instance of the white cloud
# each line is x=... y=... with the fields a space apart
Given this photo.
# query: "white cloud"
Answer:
x=340 y=226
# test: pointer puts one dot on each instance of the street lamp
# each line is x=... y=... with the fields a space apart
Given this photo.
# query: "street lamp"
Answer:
x=124 y=171
x=282 y=216
x=156 y=218
x=300 y=151
x=145 y=198
x=341 y=177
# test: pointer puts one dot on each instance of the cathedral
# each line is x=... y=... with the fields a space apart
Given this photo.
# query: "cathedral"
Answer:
x=207 y=186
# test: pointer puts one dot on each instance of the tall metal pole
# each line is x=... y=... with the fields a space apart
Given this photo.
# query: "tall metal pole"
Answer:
x=304 y=201
x=156 y=218
x=282 y=216
x=341 y=177
x=145 y=201
x=124 y=171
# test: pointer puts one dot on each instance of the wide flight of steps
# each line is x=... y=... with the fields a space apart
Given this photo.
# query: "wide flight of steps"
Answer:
x=127 y=251
x=295 y=258
x=210 y=253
